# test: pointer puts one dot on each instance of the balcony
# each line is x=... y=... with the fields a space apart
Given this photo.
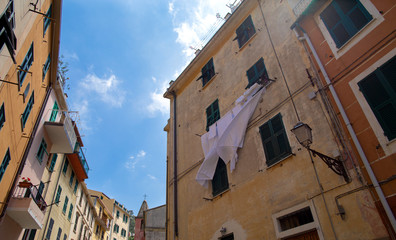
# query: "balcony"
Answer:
x=60 y=130
x=27 y=207
x=104 y=221
x=79 y=162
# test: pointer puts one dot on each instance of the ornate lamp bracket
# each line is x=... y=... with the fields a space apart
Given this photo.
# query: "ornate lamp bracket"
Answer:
x=334 y=164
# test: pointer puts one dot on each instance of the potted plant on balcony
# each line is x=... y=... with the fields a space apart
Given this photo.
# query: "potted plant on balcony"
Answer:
x=25 y=183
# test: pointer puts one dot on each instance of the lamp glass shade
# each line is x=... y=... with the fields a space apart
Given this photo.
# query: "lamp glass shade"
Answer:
x=303 y=134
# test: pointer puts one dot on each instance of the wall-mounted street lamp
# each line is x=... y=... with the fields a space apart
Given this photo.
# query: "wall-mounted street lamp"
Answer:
x=303 y=134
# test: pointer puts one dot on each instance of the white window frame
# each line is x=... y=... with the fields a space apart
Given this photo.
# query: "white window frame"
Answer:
x=300 y=229
x=338 y=52
x=389 y=147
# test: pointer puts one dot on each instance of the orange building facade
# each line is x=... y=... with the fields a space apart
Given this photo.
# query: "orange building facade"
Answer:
x=353 y=47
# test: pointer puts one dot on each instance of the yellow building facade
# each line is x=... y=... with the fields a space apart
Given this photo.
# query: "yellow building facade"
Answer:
x=235 y=169
x=30 y=48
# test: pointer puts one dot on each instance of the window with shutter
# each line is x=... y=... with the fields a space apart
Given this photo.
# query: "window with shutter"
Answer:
x=49 y=230
x=42 y=149
x=58 y=195
x=343 y=19
x=25 y=66
x=65 y=205
x=47 y=20
x=256 y=72
x=53 y=162
x=379 y=89
x=274 y=139
x=27 y=110
x=4 y=163
x=212 y=114
x=220 y=179
x=54 y=112
x=245 y=31
x=46 y=66
x=2 y=116
x=207 y=72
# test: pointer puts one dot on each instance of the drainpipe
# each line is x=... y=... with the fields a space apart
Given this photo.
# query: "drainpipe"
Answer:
x=176 y=233
x=29 y=145
x=355 y=140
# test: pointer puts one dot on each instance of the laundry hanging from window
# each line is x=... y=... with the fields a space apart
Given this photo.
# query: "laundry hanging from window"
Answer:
x=227 y=135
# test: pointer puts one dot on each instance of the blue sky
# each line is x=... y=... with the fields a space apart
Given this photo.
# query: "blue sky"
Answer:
x=122 y=55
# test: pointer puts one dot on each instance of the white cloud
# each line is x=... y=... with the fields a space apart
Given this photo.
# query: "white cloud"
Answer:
x=141 y=154
x=157 y=102
x=151 y=177
x=133 y=160
x=195 y=21
x=154 y=79
x=171 y=7
x=106 y=88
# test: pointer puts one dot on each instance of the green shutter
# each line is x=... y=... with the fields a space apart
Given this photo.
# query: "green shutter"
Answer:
x=343 y=19
x=220 y=179
x=53 y=162
x=58 y=194
x=212 y=114
x=274 y=139
x=65 y=204
x=54 y=112
x=379 y=89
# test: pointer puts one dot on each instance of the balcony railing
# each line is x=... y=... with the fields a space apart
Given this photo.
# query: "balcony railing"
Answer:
x=31 y=192
x=27 y=207
x=79 y=162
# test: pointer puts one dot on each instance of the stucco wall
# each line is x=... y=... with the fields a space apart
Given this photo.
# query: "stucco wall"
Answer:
x=257 y=191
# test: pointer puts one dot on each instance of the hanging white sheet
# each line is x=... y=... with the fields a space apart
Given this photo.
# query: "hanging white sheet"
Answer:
x=227 y=135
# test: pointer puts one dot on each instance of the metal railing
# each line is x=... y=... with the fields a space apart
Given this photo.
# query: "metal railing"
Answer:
x=30 y=192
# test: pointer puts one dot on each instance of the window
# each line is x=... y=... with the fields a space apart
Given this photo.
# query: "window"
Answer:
x=228 y=237
x=65 y=237
x=49 y=230
x=70 y=212
x=58 y=236
x=220 y=179
x=256 y=72
x=53 y=162
x=65 y=166
x=274 y=138
x=65 y=205
x=379 y=89
x=4 y=163
x=123 y=232
x=40 y=191
x=116 y=228
x=343 y=19
x=75 y=186
x=76 y=222
x=58 y=194
x=7 y=22
x=28 y=108
x=46 y=66
x=47 y=21
x=245 y=31
x=54 y=112
x=212 y=114
x=42 y=149
x=296 y=219
x=208 y=72
x=29 y=234
x=71 y=178
x=2 y=116
x=27 y=62
x=118 y=214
